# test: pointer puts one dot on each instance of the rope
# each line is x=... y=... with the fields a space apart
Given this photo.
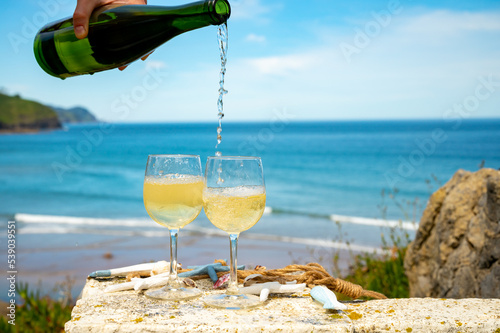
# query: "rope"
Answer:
x=312 y=274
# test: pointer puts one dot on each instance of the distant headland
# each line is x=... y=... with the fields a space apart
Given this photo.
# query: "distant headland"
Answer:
x=18 y=115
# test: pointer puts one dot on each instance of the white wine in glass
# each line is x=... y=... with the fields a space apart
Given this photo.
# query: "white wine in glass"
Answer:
x=173 y=187
x=235 y=209
x=234 y=199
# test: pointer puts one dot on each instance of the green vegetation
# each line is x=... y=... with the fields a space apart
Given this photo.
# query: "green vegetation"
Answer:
x=384 y=274
x=38 y=314
x=74 y=115
x=18 y=114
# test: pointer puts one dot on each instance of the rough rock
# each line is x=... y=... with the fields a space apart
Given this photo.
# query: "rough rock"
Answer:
x=456 y=250
x=131 y=311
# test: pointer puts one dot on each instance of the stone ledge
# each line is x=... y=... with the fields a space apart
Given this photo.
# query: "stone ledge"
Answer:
x=130 y=311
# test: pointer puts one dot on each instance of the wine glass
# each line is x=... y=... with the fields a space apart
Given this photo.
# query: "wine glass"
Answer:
x=234 y=198
x=173 y=187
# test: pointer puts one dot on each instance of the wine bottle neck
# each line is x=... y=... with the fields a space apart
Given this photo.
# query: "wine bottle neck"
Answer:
x=213 y=12
x=219 y=10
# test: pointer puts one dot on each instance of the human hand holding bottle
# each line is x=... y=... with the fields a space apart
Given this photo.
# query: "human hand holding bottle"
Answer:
x=84 y=9
x=118 y=34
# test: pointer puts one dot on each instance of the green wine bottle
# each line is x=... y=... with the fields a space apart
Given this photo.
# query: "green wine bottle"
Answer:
x=119 y=35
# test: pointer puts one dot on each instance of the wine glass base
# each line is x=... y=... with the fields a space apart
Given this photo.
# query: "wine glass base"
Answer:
x=173 y=294
x=232 y=302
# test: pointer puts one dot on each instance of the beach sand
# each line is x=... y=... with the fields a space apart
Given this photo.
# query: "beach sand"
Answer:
x=71 y=257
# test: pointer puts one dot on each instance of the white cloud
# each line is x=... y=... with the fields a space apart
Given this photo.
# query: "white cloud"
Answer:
x=404 y=72
x=255 y=38
x=155 y=64
x=279 y=65
x=249 y=10
x=16 y=88
x=445 y=22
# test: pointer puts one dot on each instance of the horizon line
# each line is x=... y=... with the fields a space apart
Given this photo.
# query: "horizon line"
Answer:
x=157 y=122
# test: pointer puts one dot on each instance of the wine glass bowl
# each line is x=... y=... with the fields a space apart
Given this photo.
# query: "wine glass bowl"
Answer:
x=173 y=186
x=234 y=199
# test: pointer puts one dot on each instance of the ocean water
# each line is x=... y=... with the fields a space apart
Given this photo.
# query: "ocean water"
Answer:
x=359 y=174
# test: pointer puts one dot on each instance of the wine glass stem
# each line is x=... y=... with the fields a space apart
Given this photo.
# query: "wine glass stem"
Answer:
x=233 y=277
x=173 y=280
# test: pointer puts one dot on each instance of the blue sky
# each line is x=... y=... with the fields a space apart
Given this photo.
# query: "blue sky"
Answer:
x=313 y=60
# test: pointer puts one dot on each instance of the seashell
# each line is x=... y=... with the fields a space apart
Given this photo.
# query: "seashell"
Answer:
x=133 y=275
x=260 y=268
x=250 y=277
x=189 y=283
x=264 y=294
x=120 y=286
x=222 y=281
x=139 y=284
x=259 y=278
x=263 y=289
x=161 y=267
x=160 y=273
x=143 y=269
x=155 y=281
x=327 y=297
x=274 y=287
